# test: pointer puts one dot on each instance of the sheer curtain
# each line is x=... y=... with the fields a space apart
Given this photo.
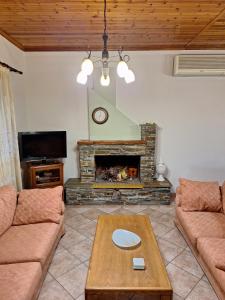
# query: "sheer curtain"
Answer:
x=10 y=172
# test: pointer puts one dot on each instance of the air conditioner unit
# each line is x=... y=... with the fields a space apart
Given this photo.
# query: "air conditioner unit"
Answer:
x=199 y=65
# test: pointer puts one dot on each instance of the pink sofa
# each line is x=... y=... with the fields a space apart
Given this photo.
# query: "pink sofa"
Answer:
x=204 y=232
x=26 y=252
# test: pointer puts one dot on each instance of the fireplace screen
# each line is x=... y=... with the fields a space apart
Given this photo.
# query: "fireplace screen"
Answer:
x=117 y=168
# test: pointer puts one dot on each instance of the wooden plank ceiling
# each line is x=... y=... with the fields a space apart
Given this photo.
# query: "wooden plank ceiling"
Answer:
x=39 y=25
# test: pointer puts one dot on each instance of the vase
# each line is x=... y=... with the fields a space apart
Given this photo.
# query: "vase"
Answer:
x=161 y=169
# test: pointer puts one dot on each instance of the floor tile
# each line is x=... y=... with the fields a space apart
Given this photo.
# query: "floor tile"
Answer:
x=81 y=297
x=70 y=211
x=154 y=206
x=159 y=229
x=152 y=213
x=82 y=208
x=59 y=247
x=86 y=263
x=88 y=230
x=82 y=250
x=71 y=237
x=187 y=262
x=182 y=281
x=48 y=278
x=205 y=279
x=169 y=251
x=123 y=211
x=174 y=236
x=176 y=297
x=188 y=249
x=109 y=208
x=93 y=213
x=54 y=291
x=201 y=291
x=167 y=219
x=63 y=262
x=135 y=208
x=167 y=209
x=74 y=280
x=76 y=221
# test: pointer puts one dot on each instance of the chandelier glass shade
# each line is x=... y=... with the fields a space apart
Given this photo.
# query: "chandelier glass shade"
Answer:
x=87 y=66
x=81 y=77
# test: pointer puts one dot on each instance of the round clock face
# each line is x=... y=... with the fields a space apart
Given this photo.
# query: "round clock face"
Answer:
x=100 y=115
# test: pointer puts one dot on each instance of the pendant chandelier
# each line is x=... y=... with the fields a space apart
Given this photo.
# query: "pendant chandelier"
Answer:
x=87 y=65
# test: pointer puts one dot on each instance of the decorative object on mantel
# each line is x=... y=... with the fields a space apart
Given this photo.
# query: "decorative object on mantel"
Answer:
x=87 y=65
x=100 y=115
x=160 y=169
x=125 y=239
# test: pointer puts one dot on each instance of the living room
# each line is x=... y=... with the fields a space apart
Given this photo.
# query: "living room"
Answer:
x=164 y=124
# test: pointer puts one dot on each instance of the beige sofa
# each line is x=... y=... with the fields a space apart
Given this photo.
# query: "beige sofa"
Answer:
x=26 y=252
x=204 y=232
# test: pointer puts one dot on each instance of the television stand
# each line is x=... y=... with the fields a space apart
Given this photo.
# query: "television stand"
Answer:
x=39 y=175
x=43 y=162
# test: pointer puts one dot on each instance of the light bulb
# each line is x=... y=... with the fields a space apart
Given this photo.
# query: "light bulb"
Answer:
x=87 y=66
x=105 y=81
x=81 y=77
x=129 y=77
x=122 y=69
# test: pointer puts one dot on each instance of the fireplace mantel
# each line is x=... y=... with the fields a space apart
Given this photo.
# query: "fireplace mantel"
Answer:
x=111 y=142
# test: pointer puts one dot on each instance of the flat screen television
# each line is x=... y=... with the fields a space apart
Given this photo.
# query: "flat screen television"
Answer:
x=42 y=145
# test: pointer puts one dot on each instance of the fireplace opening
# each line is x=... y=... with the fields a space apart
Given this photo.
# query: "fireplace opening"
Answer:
x=117 y=168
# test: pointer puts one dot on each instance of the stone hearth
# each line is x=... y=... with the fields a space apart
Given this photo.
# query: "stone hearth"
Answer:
x=120 y=161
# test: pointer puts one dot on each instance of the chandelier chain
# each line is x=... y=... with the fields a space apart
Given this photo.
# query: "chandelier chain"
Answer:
x=105 y=20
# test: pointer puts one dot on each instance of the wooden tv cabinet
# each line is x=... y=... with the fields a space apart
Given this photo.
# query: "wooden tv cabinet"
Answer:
x=43 y=175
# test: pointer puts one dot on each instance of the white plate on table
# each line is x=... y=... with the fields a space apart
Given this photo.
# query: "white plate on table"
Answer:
x=125 y=239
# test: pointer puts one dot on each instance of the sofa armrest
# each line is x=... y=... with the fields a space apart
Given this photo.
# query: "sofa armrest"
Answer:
x=178 y=196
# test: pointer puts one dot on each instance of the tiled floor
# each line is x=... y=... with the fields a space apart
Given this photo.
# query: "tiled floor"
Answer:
x=67 y=273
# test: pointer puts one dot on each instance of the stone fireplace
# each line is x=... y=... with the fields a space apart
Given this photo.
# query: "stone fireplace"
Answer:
x=144 y=149
x=125 y=168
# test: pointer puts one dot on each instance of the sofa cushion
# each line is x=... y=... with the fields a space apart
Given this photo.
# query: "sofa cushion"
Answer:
x=201 y=224
x=27 y=243
x=19 y=281
x=200 y=196
x=8 y=199
x=213 y=249
x=39 y=205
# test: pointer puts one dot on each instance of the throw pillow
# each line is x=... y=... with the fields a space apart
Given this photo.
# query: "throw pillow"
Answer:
x=200 y=196
x=39 y=205
x=8 y=199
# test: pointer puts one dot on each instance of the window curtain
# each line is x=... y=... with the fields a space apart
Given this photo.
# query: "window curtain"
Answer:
x=10 y=172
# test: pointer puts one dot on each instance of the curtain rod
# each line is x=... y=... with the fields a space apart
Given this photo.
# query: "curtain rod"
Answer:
x=11 y=69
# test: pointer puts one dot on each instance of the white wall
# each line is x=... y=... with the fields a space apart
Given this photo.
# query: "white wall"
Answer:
x=55 y=101
x=14 y=57
x=189 y=111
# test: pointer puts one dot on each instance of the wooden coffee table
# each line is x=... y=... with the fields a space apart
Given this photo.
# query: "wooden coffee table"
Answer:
x=110 y=275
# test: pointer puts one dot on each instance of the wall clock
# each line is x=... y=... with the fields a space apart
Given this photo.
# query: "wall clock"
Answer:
x=100 y=115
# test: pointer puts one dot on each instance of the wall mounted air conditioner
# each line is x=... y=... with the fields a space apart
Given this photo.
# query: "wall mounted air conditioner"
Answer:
x=199 y=65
